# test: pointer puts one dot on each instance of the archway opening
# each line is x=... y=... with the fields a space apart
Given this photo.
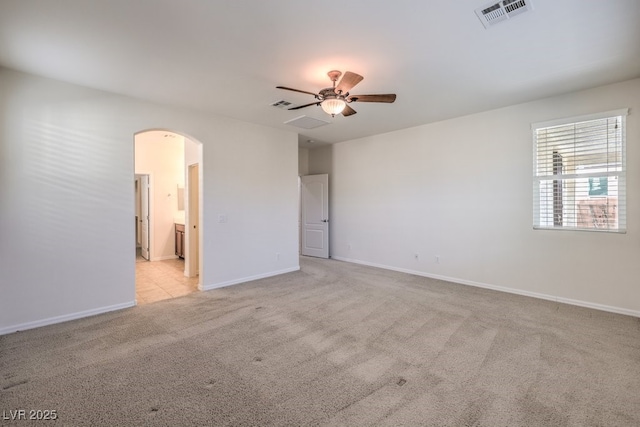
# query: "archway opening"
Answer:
x=168 y=183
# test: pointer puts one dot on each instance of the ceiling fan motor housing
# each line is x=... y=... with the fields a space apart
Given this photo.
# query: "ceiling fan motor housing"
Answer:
x=329 y=93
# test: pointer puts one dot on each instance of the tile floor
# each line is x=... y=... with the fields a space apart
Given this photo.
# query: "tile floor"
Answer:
x=158 y=280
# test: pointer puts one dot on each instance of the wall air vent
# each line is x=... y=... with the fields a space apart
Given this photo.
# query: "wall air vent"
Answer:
x=495 y=12
x=281 y=104
x=306 y=122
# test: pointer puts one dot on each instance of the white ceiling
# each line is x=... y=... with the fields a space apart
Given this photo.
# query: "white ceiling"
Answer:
x=227 y=57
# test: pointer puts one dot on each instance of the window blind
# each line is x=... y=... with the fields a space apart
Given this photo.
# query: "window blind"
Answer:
x=579 y=173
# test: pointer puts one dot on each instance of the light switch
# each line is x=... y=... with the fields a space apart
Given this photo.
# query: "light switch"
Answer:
x=222 y=218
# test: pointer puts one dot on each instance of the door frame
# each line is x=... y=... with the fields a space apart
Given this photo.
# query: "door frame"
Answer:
x=193 y=263
x=149 y=222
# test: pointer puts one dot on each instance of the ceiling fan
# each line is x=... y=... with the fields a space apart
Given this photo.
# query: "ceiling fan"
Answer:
x=334 y=100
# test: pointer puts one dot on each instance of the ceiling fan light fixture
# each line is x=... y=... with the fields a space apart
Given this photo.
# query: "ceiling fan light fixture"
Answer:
x=333 y=106
x=334 y=99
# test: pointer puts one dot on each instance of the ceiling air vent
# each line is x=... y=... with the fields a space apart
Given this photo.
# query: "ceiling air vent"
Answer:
x=281 y=104
x=306 y=122
x=495 y=12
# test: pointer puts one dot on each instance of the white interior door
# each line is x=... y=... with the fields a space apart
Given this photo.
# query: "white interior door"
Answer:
x=144 y=216
x=315 y=215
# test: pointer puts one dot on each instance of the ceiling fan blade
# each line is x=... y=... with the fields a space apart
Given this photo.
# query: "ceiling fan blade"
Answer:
x=303 y=106
x=386 y=97
x=296 y=90
x=348 y=111
x=348 y=81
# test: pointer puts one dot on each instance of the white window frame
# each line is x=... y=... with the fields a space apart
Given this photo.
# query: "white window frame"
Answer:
x=542 y=206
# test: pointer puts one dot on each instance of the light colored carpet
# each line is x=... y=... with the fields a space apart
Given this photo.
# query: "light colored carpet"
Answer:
x=334 y=344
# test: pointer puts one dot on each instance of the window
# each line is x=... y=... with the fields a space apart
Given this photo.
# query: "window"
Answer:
x=579 y=173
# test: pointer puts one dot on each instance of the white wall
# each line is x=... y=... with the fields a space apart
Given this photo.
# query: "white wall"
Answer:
x=67 y=199
x=321 y=160
x=191 y=155
x=303 y=161
x=462 y=190
x=163 y=159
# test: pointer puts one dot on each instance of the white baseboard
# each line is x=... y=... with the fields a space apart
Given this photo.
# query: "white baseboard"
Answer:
x=248 y=279
x=64 y=318
x=163 y=258
x=579 y=303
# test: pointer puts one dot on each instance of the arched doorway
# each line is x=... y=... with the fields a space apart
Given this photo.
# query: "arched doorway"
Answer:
x=168 y=163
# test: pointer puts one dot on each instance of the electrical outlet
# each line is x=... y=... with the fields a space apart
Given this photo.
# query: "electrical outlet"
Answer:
x=277 y=256
x=416 y=256
x=437 y=259
x=348 y=247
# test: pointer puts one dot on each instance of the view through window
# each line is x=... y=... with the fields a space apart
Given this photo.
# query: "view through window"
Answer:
x=579 y=173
